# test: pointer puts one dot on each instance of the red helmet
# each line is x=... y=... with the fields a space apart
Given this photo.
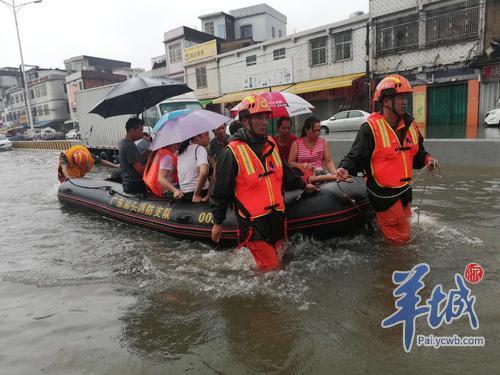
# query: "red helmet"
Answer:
x=252 y=105
x=81 y=158
x=392 y=85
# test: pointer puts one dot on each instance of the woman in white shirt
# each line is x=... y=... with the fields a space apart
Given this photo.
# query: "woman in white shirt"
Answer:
x=193 y=168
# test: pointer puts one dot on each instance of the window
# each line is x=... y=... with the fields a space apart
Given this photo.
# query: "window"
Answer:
x=45 y=109
x=43 y=90
x=209 y=28
x=33 y=111
x=279 y=54
x=221 y=31
x=32 y=94
x=37 y=92
x=397 y=35
x=21 y=98
x=343 y=45
x=353 y=114
x=80 y=85
x=318 y=51
x=246 y=31
x=341 y=115
x=175 y=53
x=452 y=23
x=201 y=77
x=17 y=98
x=273 y=32
x=251 y=60
x=40 y=110
x=280 y=33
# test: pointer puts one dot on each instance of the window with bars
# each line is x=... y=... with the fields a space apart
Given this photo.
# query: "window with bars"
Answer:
x=397 y=35
x=452 y=23
x=343 y=45
x=246 y=31
x=251 y=60
x=201 y=77
x=318 y=51
x=279 y=54
x=209 y=28
x=175 y=53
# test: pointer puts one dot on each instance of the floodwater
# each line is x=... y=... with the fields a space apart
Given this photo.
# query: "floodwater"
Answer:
x=82 y=294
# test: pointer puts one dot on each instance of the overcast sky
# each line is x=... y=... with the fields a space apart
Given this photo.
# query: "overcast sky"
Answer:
x=131 y=30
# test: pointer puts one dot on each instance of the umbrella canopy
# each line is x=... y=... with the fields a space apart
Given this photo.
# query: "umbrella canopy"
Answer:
x=184 y=127
x=137 y=94
x=283 y=104
x=169 y=116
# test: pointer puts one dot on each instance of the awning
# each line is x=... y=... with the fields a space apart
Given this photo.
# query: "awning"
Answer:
x=324 y=84
x=233 y=97
x=205 y=102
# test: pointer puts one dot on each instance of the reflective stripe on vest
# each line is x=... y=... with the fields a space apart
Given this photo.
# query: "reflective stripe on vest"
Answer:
x=258 y=186
x=152 y=170
x=391 y=161
x=73 y=170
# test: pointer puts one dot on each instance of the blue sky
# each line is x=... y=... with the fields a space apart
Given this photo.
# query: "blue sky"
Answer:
x=128 y=30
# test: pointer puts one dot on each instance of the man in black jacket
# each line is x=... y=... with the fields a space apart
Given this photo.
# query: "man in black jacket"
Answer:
x=260 y=216
x=387 y=148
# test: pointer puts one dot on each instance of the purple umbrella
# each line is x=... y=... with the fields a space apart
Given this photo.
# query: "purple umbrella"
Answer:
x=181 y=128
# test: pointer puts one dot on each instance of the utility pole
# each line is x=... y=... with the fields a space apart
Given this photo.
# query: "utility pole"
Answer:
x=27 y=98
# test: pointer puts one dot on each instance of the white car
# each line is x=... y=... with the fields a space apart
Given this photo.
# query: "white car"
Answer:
x=73 y=134
x=344 y=121
x=5 y=144
x=492 y=118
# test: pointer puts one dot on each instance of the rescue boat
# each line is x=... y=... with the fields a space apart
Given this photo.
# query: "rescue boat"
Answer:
x=337 y=209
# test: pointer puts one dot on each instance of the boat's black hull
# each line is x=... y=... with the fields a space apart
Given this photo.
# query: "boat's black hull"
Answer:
x=328 y=213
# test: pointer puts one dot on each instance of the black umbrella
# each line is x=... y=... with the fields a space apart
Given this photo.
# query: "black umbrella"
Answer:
x=137 y=94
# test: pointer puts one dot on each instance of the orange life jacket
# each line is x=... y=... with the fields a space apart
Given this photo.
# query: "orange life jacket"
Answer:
x=74 y=170
x=392 y=162
x=258 y=186
x=152 y=170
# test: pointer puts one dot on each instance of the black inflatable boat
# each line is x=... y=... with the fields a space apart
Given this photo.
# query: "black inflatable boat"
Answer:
x=335 y=210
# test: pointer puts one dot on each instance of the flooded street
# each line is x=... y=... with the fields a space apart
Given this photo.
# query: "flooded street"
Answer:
x=83 y=294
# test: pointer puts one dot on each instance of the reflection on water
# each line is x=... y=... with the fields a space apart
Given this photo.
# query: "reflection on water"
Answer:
x=86 y=294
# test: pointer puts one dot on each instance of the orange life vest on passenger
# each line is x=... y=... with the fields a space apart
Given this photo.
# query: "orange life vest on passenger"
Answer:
x=258 y=186
x=73 y=169
x=152 y=170
x=392 y=162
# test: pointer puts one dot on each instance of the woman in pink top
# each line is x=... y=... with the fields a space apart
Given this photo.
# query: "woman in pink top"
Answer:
x=311 y=154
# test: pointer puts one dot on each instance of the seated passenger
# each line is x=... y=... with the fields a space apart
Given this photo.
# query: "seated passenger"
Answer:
x=131 y=167
x=311 y=154
x=160 y=174
x=77 y=161
x=193 y=168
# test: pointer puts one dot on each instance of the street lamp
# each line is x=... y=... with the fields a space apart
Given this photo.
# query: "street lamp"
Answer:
x=15 y=8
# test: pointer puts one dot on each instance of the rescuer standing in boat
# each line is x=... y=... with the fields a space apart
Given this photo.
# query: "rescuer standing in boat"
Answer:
x=251 y=174
x=387 y=148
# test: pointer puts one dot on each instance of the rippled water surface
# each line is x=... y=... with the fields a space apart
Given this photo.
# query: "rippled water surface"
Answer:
x=83 y=294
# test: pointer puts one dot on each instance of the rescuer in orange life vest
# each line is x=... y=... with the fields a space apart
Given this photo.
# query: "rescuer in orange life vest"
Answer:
x=251 y=173
x=77 y=161
x=387 y=148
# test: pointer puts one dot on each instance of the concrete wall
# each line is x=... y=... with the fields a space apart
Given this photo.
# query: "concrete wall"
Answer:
x=466 y=152
x=213 y=89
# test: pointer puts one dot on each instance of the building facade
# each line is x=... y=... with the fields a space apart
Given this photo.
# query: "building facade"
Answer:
x=9 y=77
x=49 y=103
x=432 y=43
x=325 y=65
x=86 y=72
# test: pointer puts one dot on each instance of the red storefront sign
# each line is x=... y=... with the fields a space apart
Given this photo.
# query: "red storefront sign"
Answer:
x=491 y=73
